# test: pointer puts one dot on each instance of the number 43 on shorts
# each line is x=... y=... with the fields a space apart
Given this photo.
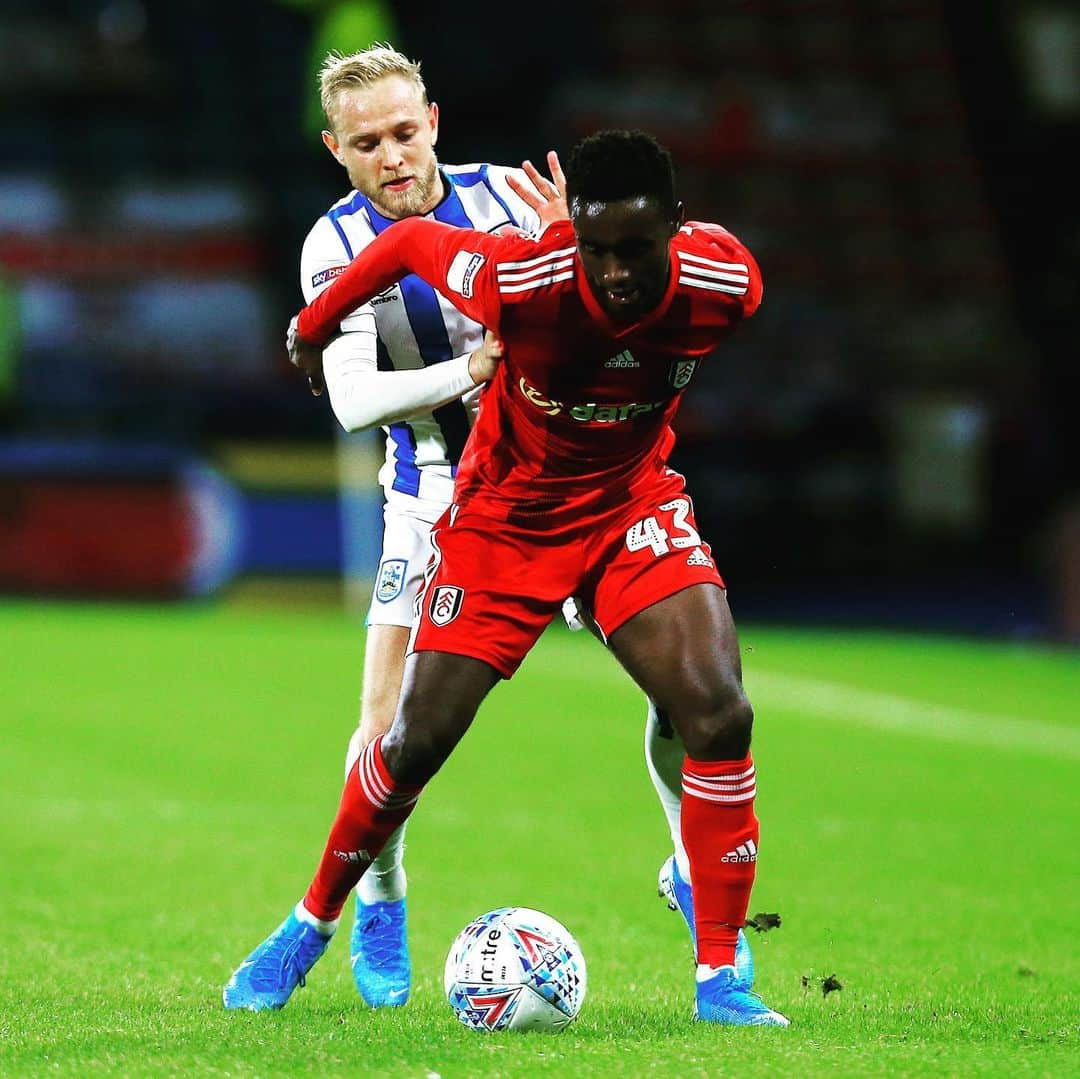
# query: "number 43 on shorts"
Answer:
x=648 y=532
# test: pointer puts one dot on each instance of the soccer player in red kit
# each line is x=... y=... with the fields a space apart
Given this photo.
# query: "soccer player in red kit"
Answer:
x=564 y=489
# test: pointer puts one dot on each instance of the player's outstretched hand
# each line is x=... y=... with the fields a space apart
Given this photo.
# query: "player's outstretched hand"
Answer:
x=484 y=362
x=306 y=356
x=546 y=197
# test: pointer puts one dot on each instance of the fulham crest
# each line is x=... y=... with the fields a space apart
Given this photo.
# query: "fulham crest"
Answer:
x=681 y=372
x=445 y=604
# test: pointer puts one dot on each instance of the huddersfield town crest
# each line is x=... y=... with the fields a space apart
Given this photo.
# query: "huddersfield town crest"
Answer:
x=391 y=579
x=445 y=604
x=681 y=372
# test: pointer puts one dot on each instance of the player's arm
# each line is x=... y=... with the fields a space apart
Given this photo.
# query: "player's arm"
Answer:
x=362 y=396
x=323 y=258
x=447 y=258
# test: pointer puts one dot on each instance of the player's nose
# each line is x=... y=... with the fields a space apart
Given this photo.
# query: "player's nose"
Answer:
x=391 y=155
x=614 y=272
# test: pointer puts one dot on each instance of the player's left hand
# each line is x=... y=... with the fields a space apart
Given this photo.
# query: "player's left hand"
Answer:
x=306 y=356
x=546 y=197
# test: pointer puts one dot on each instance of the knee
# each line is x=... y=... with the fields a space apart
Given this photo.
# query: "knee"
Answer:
x=419 y=741
x=718 y=726
x=412 y=753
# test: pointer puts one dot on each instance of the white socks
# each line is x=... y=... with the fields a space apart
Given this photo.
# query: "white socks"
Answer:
x=664 y=758
x=705 y=972
x=384 y=880
x=326 y=929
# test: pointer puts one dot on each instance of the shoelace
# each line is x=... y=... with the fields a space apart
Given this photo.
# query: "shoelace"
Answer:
x=380 y=949
x=298 y=958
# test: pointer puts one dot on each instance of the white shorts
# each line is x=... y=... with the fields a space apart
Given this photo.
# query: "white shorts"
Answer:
x=406 y=548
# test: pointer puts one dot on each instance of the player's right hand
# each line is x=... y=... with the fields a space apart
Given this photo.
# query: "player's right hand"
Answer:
x=546 y=197
x=484 y=362
x=306 y=356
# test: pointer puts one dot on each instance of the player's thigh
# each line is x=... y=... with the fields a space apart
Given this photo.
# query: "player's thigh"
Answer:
x=657 y=595
x=683 y=651
x=649 y=551
x=490 y=590
x=406 y=550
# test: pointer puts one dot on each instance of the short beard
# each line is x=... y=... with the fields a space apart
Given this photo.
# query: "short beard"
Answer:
x=407 y=203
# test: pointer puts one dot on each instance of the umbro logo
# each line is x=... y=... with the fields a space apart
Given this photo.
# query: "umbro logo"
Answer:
x=744 y=852
x=624 y=359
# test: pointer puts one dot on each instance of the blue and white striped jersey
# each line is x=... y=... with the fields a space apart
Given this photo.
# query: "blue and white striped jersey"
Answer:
x=411 y=326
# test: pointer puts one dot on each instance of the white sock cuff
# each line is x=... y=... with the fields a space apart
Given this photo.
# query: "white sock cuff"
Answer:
x=705 y=972
x=387 y=886
x=327 y=929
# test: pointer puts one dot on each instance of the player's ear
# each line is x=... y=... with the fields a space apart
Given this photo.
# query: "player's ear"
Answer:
x=433 y=119
x=331 y=143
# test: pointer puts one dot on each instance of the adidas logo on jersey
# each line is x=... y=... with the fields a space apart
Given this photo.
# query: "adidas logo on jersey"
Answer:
x=699 y=558
x=744 y=852
x=624 y=359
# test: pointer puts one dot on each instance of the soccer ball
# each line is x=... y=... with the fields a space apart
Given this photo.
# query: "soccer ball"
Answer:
x=515 y=969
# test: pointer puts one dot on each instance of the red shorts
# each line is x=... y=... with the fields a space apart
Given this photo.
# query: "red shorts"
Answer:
x=492 y=587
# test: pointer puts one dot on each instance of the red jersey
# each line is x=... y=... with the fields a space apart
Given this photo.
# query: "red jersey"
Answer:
x=578 y=418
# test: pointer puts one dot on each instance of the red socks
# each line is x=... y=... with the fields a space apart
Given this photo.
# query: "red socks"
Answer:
x=719 y=828
x=372 y=806
x=720 y=833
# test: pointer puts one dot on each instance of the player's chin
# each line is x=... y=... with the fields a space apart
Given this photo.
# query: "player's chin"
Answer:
x=401 y=203
x=624 y=305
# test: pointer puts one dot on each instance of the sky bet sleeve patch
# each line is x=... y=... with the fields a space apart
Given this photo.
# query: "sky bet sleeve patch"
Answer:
x=462 y=271
x=324 y=277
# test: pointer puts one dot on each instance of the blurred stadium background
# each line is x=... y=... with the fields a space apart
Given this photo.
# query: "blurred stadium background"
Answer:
x=890 y=442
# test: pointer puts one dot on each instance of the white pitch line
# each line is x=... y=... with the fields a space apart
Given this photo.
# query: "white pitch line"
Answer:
x=902 y=715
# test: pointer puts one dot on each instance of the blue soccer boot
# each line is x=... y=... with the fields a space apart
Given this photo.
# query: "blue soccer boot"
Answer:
x=380 y=953
x=266 y=979
x=723 y=997
x=679 y=896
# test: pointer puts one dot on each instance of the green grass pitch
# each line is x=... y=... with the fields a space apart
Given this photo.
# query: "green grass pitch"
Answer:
x=168 y=775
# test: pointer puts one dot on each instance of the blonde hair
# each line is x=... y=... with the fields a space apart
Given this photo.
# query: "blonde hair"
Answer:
x=363 y=69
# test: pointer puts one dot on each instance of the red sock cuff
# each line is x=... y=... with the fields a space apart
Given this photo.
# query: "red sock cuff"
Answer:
x=719 y=768
x=378 y=785
x=728 y=782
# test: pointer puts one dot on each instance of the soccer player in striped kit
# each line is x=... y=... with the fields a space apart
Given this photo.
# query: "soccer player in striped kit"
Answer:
x=410 y=362
x=565 y=472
